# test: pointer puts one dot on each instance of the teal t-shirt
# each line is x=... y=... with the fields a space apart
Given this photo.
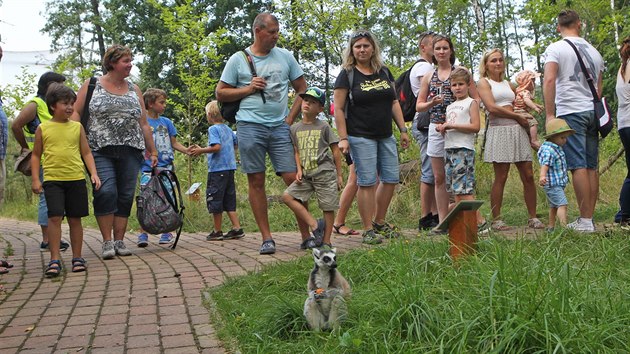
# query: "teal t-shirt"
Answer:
x=278 y=68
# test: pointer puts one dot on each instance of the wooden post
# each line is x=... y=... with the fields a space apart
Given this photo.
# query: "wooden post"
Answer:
x=462 y=233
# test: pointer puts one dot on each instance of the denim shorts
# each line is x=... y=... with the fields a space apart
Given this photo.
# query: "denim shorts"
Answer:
x=582 y=147
x=459 y=169
x=42 y=208
x=323 y=184
x=256 y=140
x=221 y=192
x=426 y=171
x=435 y=146
x=67 y=198
x=118 y=168
x=556 y=196
x=375 y=158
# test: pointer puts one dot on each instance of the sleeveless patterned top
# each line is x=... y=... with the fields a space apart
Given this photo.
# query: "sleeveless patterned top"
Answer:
x=437 y=113
x=114 y=119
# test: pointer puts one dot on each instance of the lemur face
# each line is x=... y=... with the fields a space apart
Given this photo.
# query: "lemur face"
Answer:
x=325 y=258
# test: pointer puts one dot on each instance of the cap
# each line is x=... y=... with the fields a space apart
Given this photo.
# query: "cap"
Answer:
x=525 y=76
x=316 y=93
x=23 y=163
x=557 y=126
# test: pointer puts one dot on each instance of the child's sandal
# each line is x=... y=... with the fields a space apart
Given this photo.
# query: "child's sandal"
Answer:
x=53 y=269
x=78 y=265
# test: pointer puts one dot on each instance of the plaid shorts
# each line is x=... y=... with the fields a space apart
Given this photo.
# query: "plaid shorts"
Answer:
x=460 y=171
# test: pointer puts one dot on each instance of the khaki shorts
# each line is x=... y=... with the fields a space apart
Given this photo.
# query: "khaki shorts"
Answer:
x=324 y=185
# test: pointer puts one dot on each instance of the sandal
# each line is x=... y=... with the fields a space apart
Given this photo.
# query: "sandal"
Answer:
x=3 y=270
x=78 y=265
x=5 y=264
x=500 y=225
x=53 y=269
x=534 y=223
x=337 y=229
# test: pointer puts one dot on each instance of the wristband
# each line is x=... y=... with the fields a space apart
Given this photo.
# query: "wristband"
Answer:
x=403 y=129
x=346 y=139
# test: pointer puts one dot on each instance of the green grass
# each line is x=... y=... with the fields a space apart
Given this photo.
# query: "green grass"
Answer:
x=564 y=293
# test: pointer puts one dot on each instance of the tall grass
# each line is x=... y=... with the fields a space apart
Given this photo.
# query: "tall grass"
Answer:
x=561 y=293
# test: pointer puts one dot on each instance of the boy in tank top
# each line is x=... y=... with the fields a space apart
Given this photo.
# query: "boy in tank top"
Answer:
x=60 y=144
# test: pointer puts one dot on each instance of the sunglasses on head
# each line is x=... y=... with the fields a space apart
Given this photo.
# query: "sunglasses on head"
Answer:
x=361 y=34
x=426 y=34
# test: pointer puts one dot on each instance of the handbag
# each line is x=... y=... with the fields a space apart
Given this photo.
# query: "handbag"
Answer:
x=229 y=109
x=600 y=105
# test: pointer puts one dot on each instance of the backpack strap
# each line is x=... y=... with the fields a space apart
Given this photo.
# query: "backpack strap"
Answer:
x=250 y=61
x=85 y=115
x=172 y=179
x=589 y=78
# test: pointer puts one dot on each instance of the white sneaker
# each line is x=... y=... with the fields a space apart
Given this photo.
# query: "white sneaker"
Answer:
x=580 y=225
x=108 y=250
x=121 y=249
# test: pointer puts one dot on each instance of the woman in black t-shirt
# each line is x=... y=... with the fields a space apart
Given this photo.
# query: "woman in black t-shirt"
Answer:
x=365 y=105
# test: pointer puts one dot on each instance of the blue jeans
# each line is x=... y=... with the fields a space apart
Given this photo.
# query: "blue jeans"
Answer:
x=426 y=171
x=375 y=158
x=556 y=196
x=624 y=196
x=117 y=168
x=256 y=140
x=582 y=147
x=42 y=207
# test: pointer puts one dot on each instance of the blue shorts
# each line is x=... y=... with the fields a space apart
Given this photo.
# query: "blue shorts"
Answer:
x=582 y=147
x=459 y=168
x=221 y=192
x=118 y=168
x=374 y=159
x=256 y=140
x=42 y=208
x=426 y=171
x=556 y=196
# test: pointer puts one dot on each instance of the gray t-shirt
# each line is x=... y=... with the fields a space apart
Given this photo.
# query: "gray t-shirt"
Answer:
x=312 y=142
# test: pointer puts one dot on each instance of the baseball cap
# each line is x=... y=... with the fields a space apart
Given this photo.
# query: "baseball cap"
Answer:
x=557 y=126
x=316 y=93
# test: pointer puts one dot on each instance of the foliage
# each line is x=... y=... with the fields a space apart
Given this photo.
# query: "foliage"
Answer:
x=562 y=292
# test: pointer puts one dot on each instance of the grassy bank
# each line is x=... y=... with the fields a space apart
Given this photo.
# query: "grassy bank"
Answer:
x=564 y=292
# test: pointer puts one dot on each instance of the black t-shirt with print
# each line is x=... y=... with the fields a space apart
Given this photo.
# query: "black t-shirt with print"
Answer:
x=371 y=114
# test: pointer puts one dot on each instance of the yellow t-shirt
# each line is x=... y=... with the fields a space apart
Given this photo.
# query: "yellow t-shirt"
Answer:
x=62 y=151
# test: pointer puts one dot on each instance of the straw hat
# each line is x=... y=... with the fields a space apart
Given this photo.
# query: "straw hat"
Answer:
x=23 y=163
x=557 y=126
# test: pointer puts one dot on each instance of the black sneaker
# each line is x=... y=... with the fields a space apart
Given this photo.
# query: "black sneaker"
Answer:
x=268 y=247
x=308 y=244
x=426 y=222
x=318 y=233
x=63 y=245
x=215 y=236
x=234 y=234
x=436 y=220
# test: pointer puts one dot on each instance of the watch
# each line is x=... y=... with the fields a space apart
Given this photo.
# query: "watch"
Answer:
x=403 y=129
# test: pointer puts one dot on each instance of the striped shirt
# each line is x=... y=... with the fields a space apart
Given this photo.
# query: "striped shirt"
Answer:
x=553 y=156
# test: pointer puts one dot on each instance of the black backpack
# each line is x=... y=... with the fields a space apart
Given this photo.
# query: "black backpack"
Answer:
x=159 y=208
x=406 y=98
x=229 y=109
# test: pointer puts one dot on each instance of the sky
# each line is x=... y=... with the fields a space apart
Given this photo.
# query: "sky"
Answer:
x=21 y=40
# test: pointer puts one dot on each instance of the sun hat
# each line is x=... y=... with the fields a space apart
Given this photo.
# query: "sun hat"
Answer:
x=316 y=93
x=525 y=76
x=23 y=163
x=557 y=126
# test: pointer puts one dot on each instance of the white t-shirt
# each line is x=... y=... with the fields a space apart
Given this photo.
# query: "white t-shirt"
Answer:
x=420 y=69
x=623 y=95
x=458 y=112
x=572 y=92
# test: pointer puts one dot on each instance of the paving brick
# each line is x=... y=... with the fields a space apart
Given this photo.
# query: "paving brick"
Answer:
x=82 y=320
x=106 y=319
x=143 y=319
x=183 y=350
x=41 y=343
x=147 y=340
x=110 y=329
x=145 y=350
x=109 y=350
x=77 y=342
x=47 y=330
x=176 y=329
x=10 y=342
x=79 y=330
x=109 y=341
x=208 y=342
x=173 y=319
x=143 y=329
x=183 y=340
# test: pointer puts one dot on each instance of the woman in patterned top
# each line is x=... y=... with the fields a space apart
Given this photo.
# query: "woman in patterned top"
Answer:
x=434 y=96
x=117 y=132
x=507 y=141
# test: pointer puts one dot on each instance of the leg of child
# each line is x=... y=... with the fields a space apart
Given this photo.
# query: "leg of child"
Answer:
x=300 y=212
x=217 y=218
x=329 y=217
x=533 y=136
x=345 y=201
x=76 y=236
x=236 y=224
x=552 y=217
x=54 y=237
x=562 y=215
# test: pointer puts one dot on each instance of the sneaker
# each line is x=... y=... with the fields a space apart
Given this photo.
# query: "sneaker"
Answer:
x=108 y=250
x=426 y=222
x=318 y=233
x=121 y=249
x=308 y=244
x=371 y=238
x=234 y=234
x=63 y=245
x=268 y=247
x=483 y=228
x=385 y=230
x=166 y=238
x=143 y=240
x=215 y=236
x=581 y=225
x=535 y=223
x=436 y=220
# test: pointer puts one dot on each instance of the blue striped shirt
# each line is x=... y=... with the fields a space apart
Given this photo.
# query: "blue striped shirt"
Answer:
x=553 y=156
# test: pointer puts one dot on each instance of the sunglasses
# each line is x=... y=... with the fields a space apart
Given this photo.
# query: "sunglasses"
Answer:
x=425 y=34
x=361 y=34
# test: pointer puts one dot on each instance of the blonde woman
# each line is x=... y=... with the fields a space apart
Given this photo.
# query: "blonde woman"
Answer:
x=364 y=112
x=507 y=141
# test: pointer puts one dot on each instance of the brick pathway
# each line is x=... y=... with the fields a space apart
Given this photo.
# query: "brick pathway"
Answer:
x=150 y=302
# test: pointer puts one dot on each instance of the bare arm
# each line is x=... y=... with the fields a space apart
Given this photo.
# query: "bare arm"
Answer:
x=86 y=153
x=299 y=85
x=27 y=115
x=146 y=129
x=207 y=150
x=80 y=102
x=298 y=163
x=400 y=123
x=423 y=103
x=229 y=93
x=549 y=89
x=337 y=158
x=36 y=157
x=485 y=92
x=543 y=175
x=179 y=147
x=340 y=95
